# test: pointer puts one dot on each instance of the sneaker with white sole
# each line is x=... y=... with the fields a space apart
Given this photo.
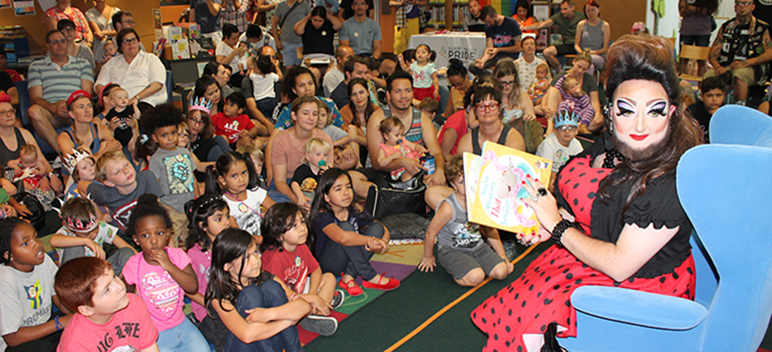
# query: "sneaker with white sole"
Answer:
x=321 y=325
x=337 y=299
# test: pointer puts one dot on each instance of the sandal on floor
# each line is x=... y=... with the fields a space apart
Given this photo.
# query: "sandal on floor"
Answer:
x=392 y=284
x=351 y=287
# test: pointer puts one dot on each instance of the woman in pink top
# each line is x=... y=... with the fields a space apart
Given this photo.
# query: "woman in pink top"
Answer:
x=63 y=10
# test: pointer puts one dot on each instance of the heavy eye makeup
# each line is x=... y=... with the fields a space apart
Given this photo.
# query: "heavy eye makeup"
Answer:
x=658 y=108
x=625 y=108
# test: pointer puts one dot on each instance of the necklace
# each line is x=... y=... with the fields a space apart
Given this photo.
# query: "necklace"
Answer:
x=612 y=155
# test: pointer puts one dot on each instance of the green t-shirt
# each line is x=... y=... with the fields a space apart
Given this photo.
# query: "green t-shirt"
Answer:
x=567 y=28
x=4 y=196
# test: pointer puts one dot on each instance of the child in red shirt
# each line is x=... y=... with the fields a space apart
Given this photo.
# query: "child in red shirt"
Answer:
x=233 y=124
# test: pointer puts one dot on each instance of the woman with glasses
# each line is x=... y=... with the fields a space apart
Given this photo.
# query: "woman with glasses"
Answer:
x=589 y=85
x=62 y=10
x=697 y=20
x=517 y=106
x=487 y=109
x=67 y=27
x=203 y=142
x=140 y=73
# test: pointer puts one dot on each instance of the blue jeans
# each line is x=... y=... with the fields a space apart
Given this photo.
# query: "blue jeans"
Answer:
x=184 y=337
x=355 y=261
x=266 y=106
x=290 y=54
x=269 y=294
x=277 y=196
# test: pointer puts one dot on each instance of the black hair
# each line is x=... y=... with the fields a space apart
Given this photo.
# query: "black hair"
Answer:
x=457 y=68
x=228 y=29
x=236 y=98
x=278 y=220
x=483 y=92
x=523 y=4
x=370 y=106
x=221 y=168
x=319 y=205
x=374 y=63
x=7 y=225
x=230 y=244
x=2 y=52
x=64 y=23
x=350 y=64
x=143 y=151
x=52 y=32
x=254 y=31
x=122 y=33
x=118 y=17
x=264 y=64
x=147 y=205
x=198 y=211
x=290 y=78
x=211 y=68
x=488 y=11
x=319 y=11
x=408 y=55
x=163 y=115
x=398 y=75
x=202 y=83
x=712 y=83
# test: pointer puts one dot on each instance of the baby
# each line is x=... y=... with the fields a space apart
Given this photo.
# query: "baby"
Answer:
x=540 y=84
x=110 y=49
x=27 y=169
x=122 y=111
x=306 y=176
x=396 y=146
x=574 y=99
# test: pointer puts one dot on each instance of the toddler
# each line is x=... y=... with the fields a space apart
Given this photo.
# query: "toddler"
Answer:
x=80 y=165
x=233 y=124
x=560 y=145
x=425 y=82
x=429 y=107
x=119 y=113
x=82 y=235
x=265 y=75
x=540 y=84
x=460 y=246
x=27 y=168
x=576 y=100
x=396 y=146
x=306 y=176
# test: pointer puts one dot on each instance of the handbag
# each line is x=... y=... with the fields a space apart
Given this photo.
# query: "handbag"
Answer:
x=397 y=198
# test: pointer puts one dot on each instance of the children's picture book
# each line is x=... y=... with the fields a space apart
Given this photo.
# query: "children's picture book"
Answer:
x=498 y=187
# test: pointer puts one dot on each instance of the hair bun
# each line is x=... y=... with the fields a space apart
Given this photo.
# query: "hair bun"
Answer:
x=456 y=63
x=147 y=199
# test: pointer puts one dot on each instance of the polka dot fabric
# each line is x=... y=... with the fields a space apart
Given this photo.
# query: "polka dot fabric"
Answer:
x=542 y=293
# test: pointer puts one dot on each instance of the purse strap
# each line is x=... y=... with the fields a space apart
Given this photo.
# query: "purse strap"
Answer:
x=284 y=18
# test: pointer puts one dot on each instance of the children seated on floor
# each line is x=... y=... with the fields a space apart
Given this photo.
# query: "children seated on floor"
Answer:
x=83 y=235
x=107 y=318
x=258 y=159
x=286 y=255
x=713 y=92
x=27 y=286
x=306 y=176
x=561 y=144
x=461 y=249
x=161 y=276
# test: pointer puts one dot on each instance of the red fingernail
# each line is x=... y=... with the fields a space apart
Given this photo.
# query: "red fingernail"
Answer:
x=523 y=181
x=537 y=180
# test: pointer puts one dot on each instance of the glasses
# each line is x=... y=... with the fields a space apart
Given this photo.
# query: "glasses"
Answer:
x=507 y=83
x=68 y=29
x=487 y=107
x=129 y=22
x=566 y=128
x=11 y=112
x=57 y=41
x=129 y=41
x=743 y=3
x=196 y=121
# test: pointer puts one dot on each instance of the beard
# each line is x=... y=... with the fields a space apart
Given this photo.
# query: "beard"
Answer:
x=633 y=154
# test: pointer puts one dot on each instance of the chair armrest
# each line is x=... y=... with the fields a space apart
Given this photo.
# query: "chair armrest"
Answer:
x=638 y=307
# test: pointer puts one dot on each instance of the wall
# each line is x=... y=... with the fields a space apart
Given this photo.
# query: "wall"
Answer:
x=141 y=9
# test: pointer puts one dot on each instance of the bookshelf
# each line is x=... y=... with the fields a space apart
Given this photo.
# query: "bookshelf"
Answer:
x=448 y=14
x=18 y=48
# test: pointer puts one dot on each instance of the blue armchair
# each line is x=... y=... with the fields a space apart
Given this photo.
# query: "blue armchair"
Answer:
x=735 y=124
x=725 y=198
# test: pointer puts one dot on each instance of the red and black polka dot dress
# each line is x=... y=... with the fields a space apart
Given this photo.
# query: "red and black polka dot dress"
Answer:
x=542 y=293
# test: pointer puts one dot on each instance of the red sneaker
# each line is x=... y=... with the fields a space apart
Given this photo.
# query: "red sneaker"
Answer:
x=392 y=284
x=351 y=287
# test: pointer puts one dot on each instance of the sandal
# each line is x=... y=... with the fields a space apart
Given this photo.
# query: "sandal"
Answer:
x=392 y=284
x=351 y=287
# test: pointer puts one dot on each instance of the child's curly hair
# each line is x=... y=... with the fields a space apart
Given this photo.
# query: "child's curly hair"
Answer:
x=147 y=205
x=454 y=168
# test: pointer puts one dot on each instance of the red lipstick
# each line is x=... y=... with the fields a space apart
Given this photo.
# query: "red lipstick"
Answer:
x=639 y=137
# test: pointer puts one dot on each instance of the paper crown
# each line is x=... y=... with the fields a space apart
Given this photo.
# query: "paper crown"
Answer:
x=4 y=98
x=200 y=104
x=70 y=161
x=77 y=94
x=77 y=225
x=566 y=117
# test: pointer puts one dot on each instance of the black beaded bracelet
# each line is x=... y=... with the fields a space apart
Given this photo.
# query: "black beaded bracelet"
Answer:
x=557 y=231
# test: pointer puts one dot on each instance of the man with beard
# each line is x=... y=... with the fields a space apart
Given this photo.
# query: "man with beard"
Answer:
x=741 y=50
x=418 y=129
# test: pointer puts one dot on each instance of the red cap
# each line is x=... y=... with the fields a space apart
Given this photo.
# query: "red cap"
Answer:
x=77 y=94
x=4 y=98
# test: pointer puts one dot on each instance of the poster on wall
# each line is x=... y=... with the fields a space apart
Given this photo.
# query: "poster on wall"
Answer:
x=24 y=8
x=4 y=4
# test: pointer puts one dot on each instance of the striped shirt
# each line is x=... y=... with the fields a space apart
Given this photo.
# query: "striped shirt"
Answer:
x=236 y=17
x=59 y=82
x=414 y=132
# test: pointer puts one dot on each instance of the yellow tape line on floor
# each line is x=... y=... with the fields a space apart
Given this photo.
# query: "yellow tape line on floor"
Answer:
x=451 y=305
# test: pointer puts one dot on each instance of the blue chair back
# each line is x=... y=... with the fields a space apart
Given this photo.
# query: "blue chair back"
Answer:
x=24 y=102
x=725 y=200
x=735 y=124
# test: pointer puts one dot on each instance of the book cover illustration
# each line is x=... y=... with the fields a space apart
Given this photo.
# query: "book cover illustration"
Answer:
x=472 y=167
x=500 y=186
